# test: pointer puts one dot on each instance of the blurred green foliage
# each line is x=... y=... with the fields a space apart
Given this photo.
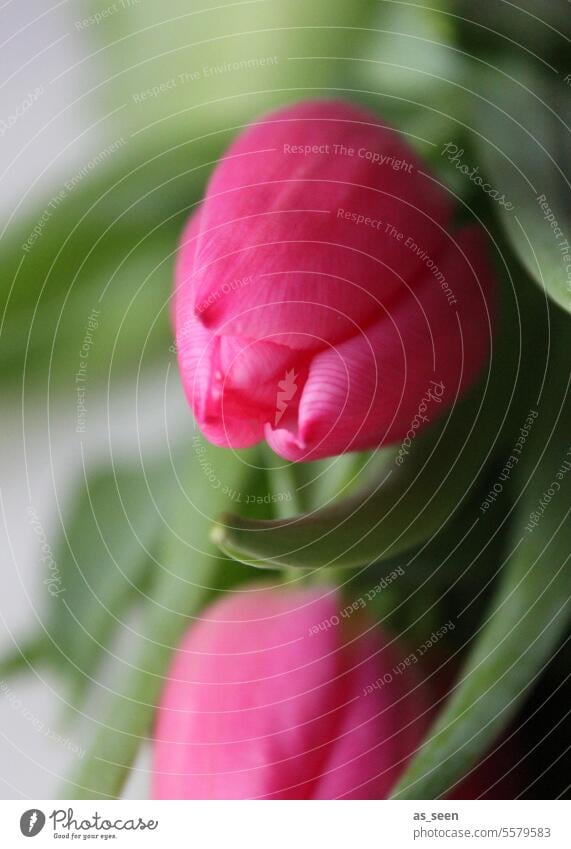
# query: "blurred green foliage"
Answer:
x=107 y=245
x=107 y=240
x=176 y=68
x=523 y=140
x=529 y=611
x=174 y=82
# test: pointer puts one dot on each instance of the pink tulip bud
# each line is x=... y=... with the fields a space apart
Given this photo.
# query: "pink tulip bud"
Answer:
x=323 y=301
x=275 y=694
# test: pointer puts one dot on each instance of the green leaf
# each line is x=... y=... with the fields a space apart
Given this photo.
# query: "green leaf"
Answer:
x=412 y=62
x=431 y=584
x=219 y=65
x=99 y=569
x=522 y=142
x=412 y=501
x=29 y=653
x=102 y=566
x=536 y=27
x=100 y=264
x=529 y=611
x=186 y=575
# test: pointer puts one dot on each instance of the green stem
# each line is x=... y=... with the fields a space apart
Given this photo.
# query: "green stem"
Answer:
x=284 y=478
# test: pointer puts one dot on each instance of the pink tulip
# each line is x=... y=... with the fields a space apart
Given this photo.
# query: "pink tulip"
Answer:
x=274 y=695
x=321 y=293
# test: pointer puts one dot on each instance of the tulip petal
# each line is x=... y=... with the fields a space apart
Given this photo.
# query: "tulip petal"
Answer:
x=315 y=302
x=313 y=244
x=230 y=382
x=266 y=700
x=250 y=700
x=379 y=728
x=388 y=380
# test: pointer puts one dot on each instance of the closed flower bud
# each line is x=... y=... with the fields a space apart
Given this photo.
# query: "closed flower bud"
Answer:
x=281 y=694
x=273 y=694
x=321 y=290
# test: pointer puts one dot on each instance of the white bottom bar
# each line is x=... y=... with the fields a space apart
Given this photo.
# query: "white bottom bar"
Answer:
x=287 y=825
